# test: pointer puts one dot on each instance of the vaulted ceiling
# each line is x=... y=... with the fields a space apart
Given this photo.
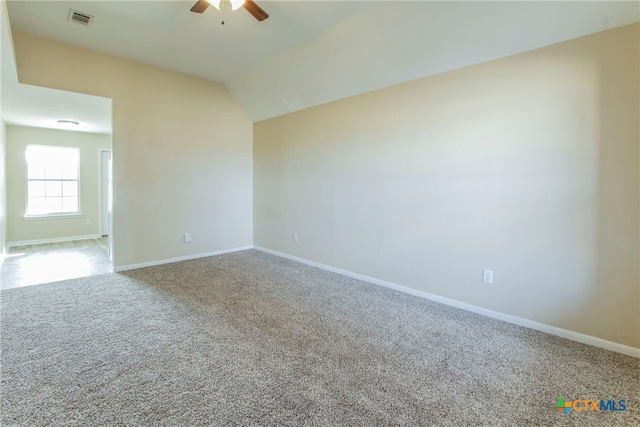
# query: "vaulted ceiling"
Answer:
x=312 y=52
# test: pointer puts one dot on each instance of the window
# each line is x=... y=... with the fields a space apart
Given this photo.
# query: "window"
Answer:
x=52 y=180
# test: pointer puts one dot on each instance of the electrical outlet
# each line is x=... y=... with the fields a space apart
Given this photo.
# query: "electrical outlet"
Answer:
x=187 y=237
x=295 y=237
x=87 y=221
x=487 y=277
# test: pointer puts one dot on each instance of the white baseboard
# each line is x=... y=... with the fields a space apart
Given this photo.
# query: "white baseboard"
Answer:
x=121 y=268
x=564 y=333
x=53 y=240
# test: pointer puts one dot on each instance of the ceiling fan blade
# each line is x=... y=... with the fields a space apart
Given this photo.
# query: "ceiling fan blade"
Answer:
x=255 y=10
x=200 y=6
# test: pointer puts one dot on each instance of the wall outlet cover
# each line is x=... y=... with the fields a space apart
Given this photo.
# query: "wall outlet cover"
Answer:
x=487 y=277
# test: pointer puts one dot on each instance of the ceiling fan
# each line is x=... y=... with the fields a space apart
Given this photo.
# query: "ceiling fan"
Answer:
x=250 y=5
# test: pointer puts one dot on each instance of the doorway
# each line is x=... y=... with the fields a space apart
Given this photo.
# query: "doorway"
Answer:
x=106 y=186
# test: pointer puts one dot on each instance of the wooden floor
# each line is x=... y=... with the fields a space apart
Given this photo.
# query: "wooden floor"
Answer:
x=50 y=262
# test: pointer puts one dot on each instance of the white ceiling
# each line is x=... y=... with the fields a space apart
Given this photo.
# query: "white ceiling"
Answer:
x=395 y=42
x=169 y=35
x=26 y=105
x=311 y=52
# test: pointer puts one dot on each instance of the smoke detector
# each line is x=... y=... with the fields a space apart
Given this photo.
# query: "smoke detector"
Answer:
x=79 y=17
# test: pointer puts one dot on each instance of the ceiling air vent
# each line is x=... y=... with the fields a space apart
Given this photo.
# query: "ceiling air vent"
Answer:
x=79 y=17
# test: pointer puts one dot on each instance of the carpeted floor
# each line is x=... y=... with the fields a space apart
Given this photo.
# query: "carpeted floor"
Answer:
x=251 y=339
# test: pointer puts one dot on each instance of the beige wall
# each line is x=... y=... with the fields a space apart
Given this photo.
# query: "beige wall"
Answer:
x=527 y=166
x=182 y=150
x=20 y=229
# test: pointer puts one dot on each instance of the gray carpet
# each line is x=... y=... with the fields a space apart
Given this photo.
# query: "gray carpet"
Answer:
x=252 y=339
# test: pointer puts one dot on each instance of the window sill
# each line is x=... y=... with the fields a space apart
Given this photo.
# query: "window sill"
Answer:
x=53 y=216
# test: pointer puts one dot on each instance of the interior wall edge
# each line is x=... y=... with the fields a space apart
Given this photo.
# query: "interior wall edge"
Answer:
x=121 y=268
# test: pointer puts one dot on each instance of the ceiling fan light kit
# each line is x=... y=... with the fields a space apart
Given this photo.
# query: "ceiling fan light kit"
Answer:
x=214 y=3
x=236 y=4
x=249 y=5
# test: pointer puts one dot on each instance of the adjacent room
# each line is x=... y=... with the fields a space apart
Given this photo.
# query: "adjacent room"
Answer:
x=320 y=213
x=62 y=233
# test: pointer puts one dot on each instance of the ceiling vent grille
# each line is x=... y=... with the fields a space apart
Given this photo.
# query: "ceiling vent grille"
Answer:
x=79 y=17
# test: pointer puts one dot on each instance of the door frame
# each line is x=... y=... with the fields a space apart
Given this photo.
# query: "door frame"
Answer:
x=101 y=177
